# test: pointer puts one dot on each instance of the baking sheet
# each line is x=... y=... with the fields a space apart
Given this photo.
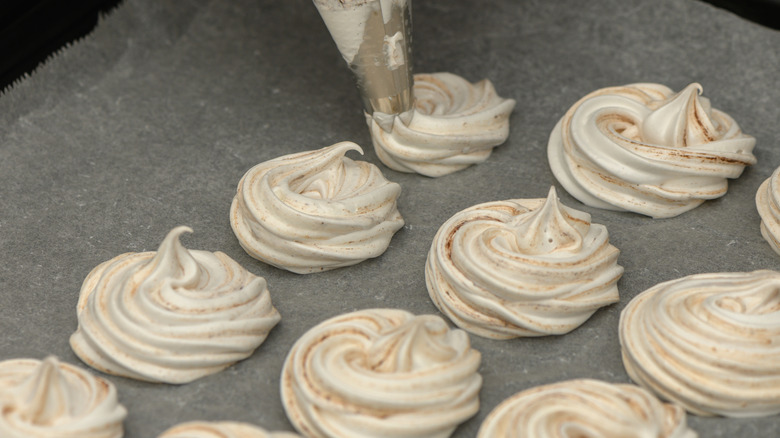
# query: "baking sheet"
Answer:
x=150 y=122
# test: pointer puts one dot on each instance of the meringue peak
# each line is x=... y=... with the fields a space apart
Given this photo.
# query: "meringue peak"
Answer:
x=685 y=119
x=411 y=347
x=343 y=147
x=548 y=229
x=321 y=178
x=173 y=257
x=314 y=174
x=43 y=396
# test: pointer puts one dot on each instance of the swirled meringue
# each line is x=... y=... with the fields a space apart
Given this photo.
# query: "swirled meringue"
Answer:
x=522 y=267
x=171 y=316
x=224 y=429
x=710 y=342
x=768 y=206
x=583 y=408
x=453 y=125
x=316 y=210
x=50 y=399
x=644 y=149
x=381 y=373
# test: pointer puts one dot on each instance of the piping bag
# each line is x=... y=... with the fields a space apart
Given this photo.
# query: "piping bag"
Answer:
x=375 y=39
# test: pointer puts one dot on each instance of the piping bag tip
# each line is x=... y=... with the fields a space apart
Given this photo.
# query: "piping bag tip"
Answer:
x=375 y=39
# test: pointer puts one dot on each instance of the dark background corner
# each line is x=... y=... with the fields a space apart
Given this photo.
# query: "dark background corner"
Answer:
x=32 y=30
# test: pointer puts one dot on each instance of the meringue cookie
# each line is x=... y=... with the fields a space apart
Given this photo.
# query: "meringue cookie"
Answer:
x=708 y=342
x=585 y=408
x=644 y=149
x=225 y=429
x=768 y=205
x=314 y=211
x=522 y=267
x=171 y=316
x=381 y=373
x=50 y=399
x=453 y=125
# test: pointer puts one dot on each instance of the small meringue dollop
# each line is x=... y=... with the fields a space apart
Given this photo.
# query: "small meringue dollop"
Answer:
x=223 y=429
x=522 y=267
x=645 y=149
x=381 y=373
x=173 y=316
x=453 y=125
x=50 y=399
x=768 y=206
x=585 y=408
x=709 y=342
x=316 y=210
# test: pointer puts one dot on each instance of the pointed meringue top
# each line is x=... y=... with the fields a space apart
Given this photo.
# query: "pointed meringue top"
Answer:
x=685 y=119
x=550 y=228
x=43 y=396
x=173 y=262
x=417 y=344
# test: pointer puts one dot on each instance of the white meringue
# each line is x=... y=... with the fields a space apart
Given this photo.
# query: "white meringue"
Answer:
x=50 y=399
x=171 y=316
x=768 y=206
x=381 y=373
x=644 y=149
x=316 y=210
x=522 y=267
x=453 y=125
x=710 y=342
x=223 y=429
x=585 y=408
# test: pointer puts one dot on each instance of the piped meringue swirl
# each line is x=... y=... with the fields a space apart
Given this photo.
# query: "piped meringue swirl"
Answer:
x=522 y=267
x=173 y=316
x=316 y=210
x=585 y=408
x=710 y=342
x=645 y=149
x=223 y=429
x=381 y=373
x=453 y=125
x=768 y=205
x=50 y=399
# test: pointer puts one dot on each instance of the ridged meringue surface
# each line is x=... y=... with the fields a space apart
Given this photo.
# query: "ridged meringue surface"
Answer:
x=173 y=316
x=453 y=125
x=223 y=429
x=316 y=210
x=381 y=373
x=645 y=149
x=585 y=408
x=522 y=267
x=768 y=205
x=50 y=399
x=710 y=342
